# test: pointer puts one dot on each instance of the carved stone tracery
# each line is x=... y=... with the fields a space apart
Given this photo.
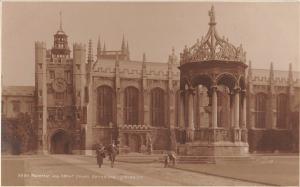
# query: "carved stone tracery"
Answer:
x=213 y=47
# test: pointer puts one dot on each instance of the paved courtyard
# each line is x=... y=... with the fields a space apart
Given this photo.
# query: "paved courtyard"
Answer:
x=70 y=170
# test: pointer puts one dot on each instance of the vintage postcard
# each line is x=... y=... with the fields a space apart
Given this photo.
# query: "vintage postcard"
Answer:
x=150 y=93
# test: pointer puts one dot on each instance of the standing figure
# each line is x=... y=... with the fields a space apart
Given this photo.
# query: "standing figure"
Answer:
x=170 y=156
x=149 y=144
x=112 y=152
x=100 y=151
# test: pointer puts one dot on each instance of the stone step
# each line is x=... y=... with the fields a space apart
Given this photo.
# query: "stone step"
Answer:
x=192 y=159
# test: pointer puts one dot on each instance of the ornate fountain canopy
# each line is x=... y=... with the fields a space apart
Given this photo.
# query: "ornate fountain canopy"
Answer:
x=213 y=47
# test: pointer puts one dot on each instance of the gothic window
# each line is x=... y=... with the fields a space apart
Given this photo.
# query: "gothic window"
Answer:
x=177 y=108
x=131 y=106
x=157 y=107
x=260 y=110
x=68 y=76
x=16 y=106
x=223 y=107
x=105 y=105
x=52 y=75
x=60 y=114
x=2 y=107
x=51 y=115
x=282 y=109
x=29 y=107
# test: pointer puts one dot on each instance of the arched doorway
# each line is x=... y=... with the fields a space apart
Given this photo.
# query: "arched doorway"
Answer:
x=60 y=143
x=135 y=143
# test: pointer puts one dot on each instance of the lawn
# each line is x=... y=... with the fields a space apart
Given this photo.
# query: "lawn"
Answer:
x=271 y=170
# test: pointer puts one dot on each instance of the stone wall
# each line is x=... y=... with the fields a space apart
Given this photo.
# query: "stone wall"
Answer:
x=271 y=140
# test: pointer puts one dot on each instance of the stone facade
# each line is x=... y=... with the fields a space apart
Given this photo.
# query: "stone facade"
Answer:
x=81 y=101
x=17 y=99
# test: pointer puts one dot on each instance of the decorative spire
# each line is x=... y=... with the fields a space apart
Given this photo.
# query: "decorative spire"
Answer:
x=213 y=47
x=172 y=57
x=249 y=76
x=173 y=51
x=144 y=65
x=271 y=69
x=271 y=78
x=123 y=47
x=99 y=48
x=211 y=14
x=104 y=48
x=250 y=68
x=144 y=57
x=90 y=52
x=127 y=48
x=60 y=21
x=290 y=78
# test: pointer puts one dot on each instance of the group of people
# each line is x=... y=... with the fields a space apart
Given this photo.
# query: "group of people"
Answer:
x=170 y=157
x=112 y=150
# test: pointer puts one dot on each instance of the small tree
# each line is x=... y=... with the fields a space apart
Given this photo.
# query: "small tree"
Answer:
x=20 y=133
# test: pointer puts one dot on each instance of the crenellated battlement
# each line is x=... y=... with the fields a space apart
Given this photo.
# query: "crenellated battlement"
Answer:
x=79 y=46
x=40 y=44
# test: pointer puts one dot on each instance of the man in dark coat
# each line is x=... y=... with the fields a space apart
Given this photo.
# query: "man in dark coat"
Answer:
x=100 y=155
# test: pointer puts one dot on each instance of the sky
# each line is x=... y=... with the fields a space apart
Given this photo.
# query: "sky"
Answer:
x=269 y=32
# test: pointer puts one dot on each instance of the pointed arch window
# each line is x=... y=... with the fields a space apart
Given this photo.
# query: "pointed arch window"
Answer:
x=157 y=107
x=178 y=110
x=131 y=106
x=60 y=114
x=282 y=110
x=223 y=106
x=104 y=105
x=260 y=110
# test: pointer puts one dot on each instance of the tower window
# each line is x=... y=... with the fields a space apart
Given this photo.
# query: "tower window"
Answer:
x=16 y=106
x=60 y=114
x=52 y=75
x=67 y=76
x=29 y=107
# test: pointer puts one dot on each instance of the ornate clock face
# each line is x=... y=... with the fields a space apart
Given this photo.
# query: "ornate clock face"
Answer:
x=59 y=85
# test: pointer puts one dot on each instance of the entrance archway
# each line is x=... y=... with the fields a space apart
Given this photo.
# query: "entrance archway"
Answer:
x=135 y=143
x=60 y=143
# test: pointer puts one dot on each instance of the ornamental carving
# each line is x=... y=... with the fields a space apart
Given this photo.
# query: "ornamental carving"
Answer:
x=213 y=47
